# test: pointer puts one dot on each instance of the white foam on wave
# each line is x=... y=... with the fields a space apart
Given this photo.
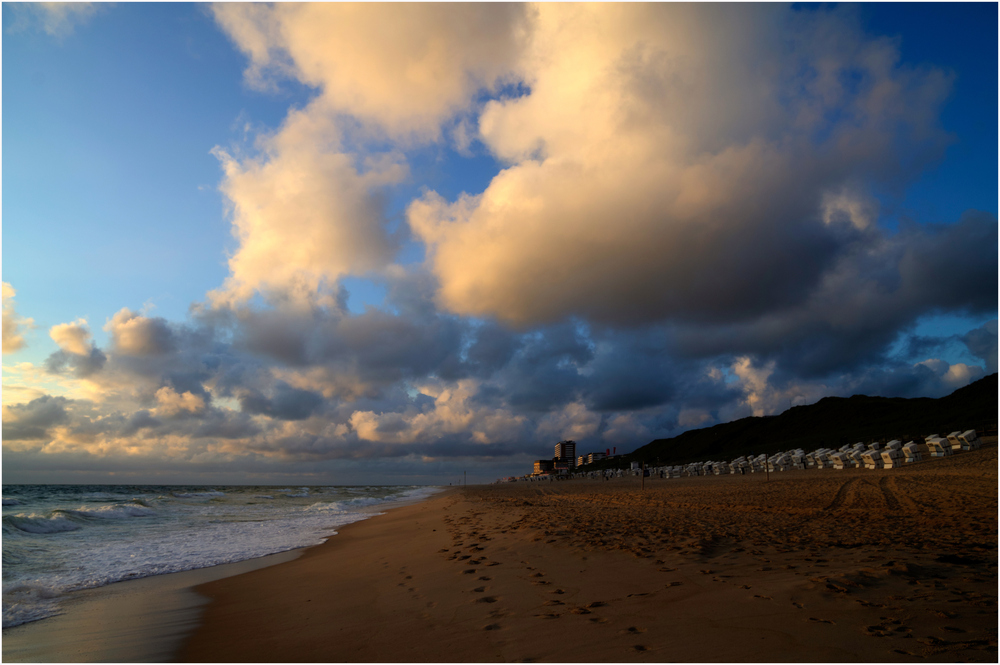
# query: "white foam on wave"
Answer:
x=10 y=501
x=35 y=523
x=346 y=505
x=201 y=534
x=27 y=602
x=117 y=511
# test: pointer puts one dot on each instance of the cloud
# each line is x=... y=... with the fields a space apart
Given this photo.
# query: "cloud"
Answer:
x=136 y=335
x=404 y=68
x=72 y=337
x=308 y=208
x=669 y=161
x=34 y=419
x=287 y=403
x=57 y=19
x=14 y=325
x=304 y=211
x=982 y=343
x=453 y=414
x=171 y=403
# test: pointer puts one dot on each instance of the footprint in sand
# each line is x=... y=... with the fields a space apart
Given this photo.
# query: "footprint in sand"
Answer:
x=551 y=615
x=484 y=578
x=798 y=605
x=640 y=648
x=470 y=571
x=674 y=584
x=554 y=602
x=815 y=620
x=599 y=620
x=952 y=629
x=597 y=603
x=632 y=630
x=487 y=599
x=559 y=591
x=757 y=595
x=579 y=610
x=538 y=575
x=479 y=589
x=492 y=626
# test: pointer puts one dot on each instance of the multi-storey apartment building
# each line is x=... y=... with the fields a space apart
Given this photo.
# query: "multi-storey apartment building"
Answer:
x=566 y=450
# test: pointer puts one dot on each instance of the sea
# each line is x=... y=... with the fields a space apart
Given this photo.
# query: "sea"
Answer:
x=61 y=538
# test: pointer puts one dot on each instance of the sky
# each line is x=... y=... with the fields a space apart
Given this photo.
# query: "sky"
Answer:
x=352 y=244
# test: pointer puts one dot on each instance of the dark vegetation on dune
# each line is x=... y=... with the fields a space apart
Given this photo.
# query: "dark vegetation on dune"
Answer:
x=829 y=423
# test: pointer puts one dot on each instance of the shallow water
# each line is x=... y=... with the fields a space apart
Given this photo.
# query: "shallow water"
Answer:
x=62 y=538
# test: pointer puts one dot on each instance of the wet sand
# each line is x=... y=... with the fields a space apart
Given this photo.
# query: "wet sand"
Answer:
x=889 y=565
x=138 y=621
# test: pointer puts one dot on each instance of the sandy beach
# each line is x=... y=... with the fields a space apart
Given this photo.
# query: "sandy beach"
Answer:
x=890 y=565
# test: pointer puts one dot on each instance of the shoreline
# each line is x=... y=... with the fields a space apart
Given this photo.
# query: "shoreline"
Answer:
x=141 y=620
x=821 y=566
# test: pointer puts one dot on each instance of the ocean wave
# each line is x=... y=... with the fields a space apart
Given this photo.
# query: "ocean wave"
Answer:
x=27 y=602
x=34 y=523
x=336 y=506
x=197 y=495
x=116 y=511
x=11 y=502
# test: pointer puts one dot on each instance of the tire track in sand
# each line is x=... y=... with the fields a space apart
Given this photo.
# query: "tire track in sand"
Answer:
x=845 y=495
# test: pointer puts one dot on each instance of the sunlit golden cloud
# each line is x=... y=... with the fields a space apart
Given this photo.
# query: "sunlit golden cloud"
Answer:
x=14 y=325
x=72 y=337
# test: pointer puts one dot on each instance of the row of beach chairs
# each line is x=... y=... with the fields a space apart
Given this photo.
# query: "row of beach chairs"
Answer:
x=891 y=455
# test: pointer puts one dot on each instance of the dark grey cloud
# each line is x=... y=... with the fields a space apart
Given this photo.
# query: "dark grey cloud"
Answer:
x=286 y=403
x=982 y=343
x=82 y=366
x=492 y=348
x=34 y=419
x=136 y=335
x=139 y=420
x=865 y=300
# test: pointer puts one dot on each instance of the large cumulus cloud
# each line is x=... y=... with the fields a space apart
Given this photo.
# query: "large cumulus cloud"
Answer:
x=307 y=209
x=681 y=162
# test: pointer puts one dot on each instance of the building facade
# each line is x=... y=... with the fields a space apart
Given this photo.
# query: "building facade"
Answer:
x=566 y=450
x=543 y=466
